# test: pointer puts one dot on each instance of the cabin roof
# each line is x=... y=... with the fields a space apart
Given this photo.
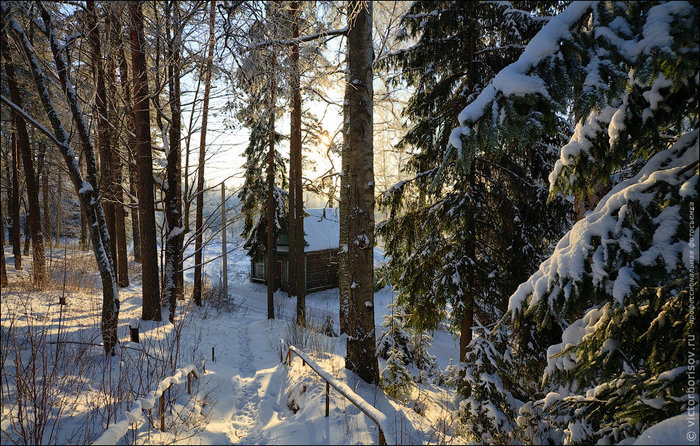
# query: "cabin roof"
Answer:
x=321 y=230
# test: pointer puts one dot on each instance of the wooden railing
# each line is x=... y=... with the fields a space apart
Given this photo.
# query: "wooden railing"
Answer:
x=372 y=413
x=134 y=416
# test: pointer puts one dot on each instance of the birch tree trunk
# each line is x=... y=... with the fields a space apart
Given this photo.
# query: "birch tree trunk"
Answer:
x=86 y=190
x=197 y=288
x=149 y=256
x=361 y=356
x=34 y=218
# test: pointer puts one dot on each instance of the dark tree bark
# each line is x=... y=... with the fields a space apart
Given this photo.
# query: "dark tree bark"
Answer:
x=3 y=268
x=360 y=357
x=173 y=242
x=86 y=190
x=27 y=229
x=103 y=129
x=122 y=266
x=149 y=256
x=15 y=230
x=44 y=169
x=197 y=289
x=129 y=113
x=296 y=198
x=39 y=259
x=59 y=209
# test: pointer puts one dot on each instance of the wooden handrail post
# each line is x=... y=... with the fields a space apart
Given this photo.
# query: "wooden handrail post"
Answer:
x=212 y=353
x=189 y=383
x=376 y=417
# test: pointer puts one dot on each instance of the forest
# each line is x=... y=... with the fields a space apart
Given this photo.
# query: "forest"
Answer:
x=349 y=222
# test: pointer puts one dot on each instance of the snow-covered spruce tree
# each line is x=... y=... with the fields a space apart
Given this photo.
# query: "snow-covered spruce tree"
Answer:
x=619 y=280
x=253 y=111
x=403 y=346
x=486 y=408
x=467 y=237
x=396 y=334
x=395 y=378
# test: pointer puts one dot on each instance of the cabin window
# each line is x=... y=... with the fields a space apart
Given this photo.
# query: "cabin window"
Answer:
x=259 y=270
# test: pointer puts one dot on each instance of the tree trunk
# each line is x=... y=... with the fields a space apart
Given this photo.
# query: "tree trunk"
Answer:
x=27 y=229
x=129 y=113
x=103 y=130
x=3 y=268
x=122 y=265
x=135 y=232
x=86 y=190
x=360 y=357
x=45 y=169
x=59 y=209
x=15 y=230
x=173 y=242
x=197 y=289
x=34 y=218
x=270 y=205
x=149 y=256
x=296 y=198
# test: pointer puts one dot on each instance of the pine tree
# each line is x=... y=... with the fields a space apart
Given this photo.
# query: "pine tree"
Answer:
x=151 y=310
x=618 y=281
x=358 y=180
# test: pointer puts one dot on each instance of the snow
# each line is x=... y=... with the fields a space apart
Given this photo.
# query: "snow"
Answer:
x=678 y=430
x=86 y=187
x=322 y=229
x=244 y=396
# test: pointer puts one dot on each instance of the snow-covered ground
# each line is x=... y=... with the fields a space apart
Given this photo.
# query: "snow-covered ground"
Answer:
x=245 y=396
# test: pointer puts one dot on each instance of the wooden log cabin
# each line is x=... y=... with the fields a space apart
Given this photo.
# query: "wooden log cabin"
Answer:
x=321 y=230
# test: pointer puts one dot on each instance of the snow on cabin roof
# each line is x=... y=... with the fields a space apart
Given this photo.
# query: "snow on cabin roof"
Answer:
x=321 y=229
x=322 y=232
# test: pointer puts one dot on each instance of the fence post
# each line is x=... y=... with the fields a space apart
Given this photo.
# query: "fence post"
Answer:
x=162 y=412
x=223 y=240
x=212 y=353
x=327 y=398
x=382 y=440
x=189 y=381
x=134 y=334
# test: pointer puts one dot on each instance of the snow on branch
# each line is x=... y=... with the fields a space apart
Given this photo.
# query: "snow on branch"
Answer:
x=514 y=79
x=559 y=275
